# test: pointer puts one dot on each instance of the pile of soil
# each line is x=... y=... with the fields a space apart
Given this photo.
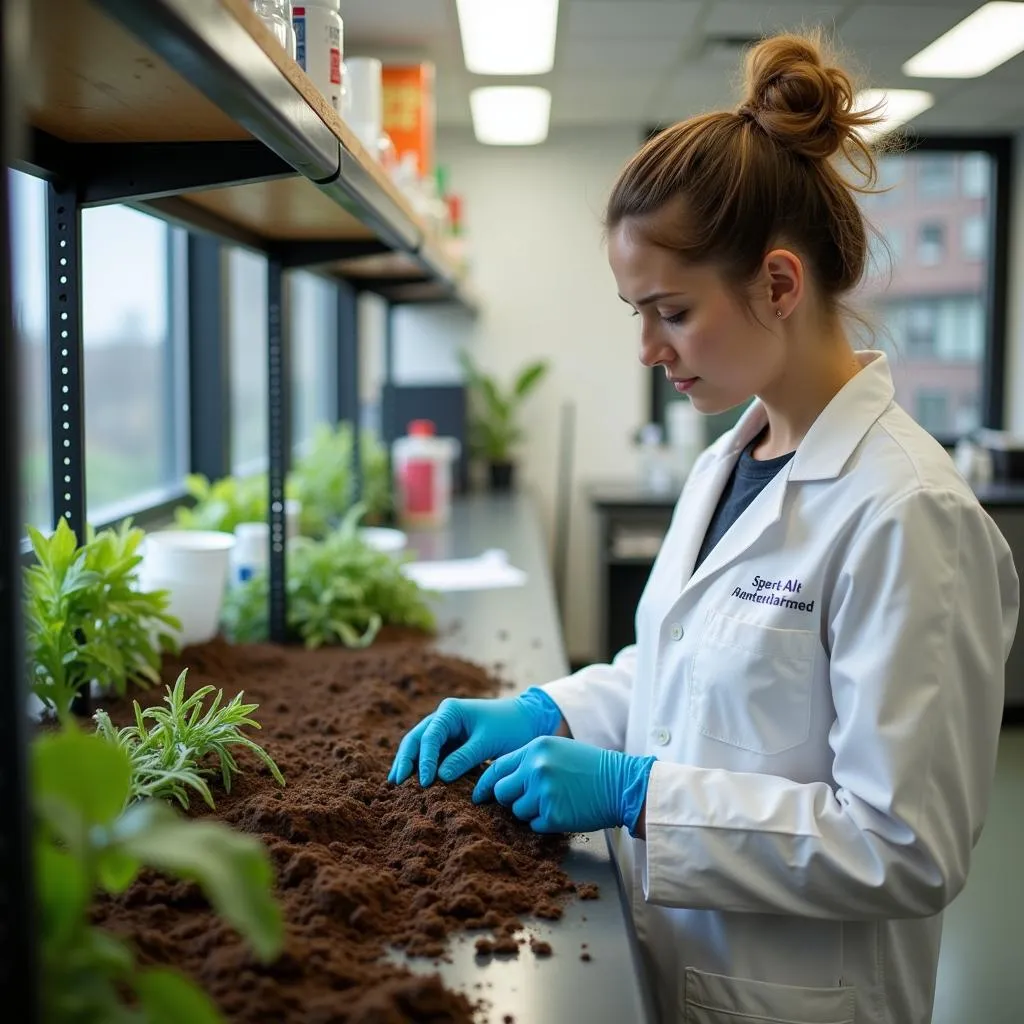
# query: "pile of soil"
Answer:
x=361 y=865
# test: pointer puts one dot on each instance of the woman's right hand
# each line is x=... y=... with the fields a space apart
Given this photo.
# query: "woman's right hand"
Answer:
x=483 y=730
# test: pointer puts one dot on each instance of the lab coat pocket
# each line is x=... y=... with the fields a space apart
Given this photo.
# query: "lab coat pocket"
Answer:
x=718 y=999
x=751 y=684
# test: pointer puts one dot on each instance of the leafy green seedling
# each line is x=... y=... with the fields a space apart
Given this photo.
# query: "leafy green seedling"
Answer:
x=85 y=841
x=340 y=590
x=87 y=619
x=223 y=504
x=168 y=745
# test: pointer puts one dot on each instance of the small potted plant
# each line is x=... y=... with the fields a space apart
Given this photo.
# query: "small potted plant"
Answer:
x=494 y=428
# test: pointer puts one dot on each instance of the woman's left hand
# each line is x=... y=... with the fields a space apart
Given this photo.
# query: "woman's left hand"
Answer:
x=562 y=785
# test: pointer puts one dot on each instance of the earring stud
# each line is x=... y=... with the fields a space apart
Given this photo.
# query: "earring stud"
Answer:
x=778 y=313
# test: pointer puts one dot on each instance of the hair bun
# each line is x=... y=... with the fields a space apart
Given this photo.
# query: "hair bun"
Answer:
x=801 y=100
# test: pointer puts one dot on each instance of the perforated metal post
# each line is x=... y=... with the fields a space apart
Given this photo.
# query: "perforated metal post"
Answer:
x=67 y=412
x=279 y=434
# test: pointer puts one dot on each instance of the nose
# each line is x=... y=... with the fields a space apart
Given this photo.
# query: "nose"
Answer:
x=653 y=349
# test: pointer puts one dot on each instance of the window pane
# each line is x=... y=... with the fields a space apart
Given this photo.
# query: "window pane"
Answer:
x=28 y=279
x=247 y=296
x=930 y=307
x=133 y=450
x=313 y=309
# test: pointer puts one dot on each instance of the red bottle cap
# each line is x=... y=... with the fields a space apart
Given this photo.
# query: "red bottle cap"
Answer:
x=421 y=428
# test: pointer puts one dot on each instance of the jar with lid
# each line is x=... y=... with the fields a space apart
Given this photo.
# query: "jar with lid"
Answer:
x=319 y=45
x=277 y=16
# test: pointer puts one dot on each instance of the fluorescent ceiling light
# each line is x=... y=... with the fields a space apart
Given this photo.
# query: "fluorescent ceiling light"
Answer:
x=510 y=115
x=898 y=106
x=982 y=41
x=508 y=37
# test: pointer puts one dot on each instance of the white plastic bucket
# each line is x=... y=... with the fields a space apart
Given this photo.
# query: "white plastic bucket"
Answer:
x=193 y=566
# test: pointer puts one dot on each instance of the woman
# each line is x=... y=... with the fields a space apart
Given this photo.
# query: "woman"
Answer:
x=801 y=744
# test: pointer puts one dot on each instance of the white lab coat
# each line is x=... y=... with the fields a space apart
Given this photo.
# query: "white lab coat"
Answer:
x=824 y=697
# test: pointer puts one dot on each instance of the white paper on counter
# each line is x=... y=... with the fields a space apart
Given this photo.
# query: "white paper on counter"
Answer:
x=488 y=571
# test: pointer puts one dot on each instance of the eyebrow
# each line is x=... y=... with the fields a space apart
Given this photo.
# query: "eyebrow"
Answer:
x=646 y=301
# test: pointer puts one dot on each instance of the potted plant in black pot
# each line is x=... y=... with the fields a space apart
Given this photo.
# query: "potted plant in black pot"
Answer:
x=494 y=428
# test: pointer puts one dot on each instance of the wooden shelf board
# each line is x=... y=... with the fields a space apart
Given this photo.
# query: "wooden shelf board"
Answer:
x=90 y=80
x=288 y=209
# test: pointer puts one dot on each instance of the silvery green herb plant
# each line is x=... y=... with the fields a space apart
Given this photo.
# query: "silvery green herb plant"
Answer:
x=87 y=619
x=169 y=747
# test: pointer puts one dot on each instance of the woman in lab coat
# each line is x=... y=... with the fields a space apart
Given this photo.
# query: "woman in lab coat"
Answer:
x=800 y=746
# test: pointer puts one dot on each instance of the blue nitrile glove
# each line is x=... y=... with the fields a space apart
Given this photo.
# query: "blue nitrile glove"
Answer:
x=562 y=785
x=485 y=729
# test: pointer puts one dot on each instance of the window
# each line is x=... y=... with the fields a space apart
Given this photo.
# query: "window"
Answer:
x=974 y=236
x=936 y=175
x=932 y=312
x=131 y=331
x=313 y=320
x=247 y=313
x=975 y=175
x=931 y=244
x=932 y=411
x=28 y=250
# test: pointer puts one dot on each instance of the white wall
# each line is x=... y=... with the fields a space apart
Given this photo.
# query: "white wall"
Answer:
x=533 y=219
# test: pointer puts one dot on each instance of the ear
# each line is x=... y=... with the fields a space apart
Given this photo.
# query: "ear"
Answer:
x=784 y=272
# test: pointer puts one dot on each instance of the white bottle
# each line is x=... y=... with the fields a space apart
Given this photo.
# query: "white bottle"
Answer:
x=251 y=551
x=320 y=44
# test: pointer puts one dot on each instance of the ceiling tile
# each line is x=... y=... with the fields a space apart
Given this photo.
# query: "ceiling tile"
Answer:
x=617 y=55
x=397 y=22
x=614 y=19
x=747 y=18
x=876 y=23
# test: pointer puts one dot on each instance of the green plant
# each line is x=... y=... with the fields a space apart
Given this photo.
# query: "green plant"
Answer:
x=223 y=504
x=86 y=841
x=87 y=619
x=322 y=479
x=494 y=428
x=339 y=590
x=167 y=757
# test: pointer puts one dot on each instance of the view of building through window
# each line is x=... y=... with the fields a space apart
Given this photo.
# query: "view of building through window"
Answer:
x=927 y=295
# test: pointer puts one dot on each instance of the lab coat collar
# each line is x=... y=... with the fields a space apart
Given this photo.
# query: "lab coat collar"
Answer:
x=839 y=428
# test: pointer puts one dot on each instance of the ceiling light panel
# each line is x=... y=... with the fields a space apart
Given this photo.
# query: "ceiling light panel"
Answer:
x=508 y=37
x=982 y=41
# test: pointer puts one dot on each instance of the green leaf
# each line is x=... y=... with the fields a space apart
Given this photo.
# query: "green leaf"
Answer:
x=62 y=891
x=170 y=998
x=233 y=869
x=81 y=773
x=116 y=869
x=529 y=378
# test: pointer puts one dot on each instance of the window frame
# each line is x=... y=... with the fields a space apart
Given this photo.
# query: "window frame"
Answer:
x=1000 y=149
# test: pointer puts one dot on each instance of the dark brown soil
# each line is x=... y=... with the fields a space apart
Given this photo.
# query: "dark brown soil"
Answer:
x=361 y=865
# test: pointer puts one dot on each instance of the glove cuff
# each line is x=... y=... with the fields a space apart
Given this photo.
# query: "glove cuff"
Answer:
x=543 y=711
x=634 y=793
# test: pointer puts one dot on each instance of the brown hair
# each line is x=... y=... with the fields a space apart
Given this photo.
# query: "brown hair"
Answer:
x=729 y=185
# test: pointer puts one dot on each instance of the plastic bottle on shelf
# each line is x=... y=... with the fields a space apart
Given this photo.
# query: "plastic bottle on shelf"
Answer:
x=277 y=16
x=250 y=553
x=423 y=475
x=319 y=45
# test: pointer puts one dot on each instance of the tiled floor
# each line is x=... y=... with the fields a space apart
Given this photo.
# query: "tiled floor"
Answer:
x=981 y=970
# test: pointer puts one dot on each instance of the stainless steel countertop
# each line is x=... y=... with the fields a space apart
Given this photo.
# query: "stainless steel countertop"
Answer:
x=518 y=628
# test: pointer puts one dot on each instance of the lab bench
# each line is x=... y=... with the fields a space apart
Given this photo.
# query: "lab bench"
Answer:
x=632 y=521
x=515 y=631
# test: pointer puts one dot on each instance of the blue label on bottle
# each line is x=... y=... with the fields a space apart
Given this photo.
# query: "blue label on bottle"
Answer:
x=299 y=24
x=244 y=574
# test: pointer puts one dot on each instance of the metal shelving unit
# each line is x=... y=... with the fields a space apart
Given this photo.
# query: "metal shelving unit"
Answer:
x=187 y=109
x=190 y=109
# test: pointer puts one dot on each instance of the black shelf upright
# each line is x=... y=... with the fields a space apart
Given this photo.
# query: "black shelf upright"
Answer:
x=18 y=956
x=279 y=436
x=348 y=377
x=67 y=356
